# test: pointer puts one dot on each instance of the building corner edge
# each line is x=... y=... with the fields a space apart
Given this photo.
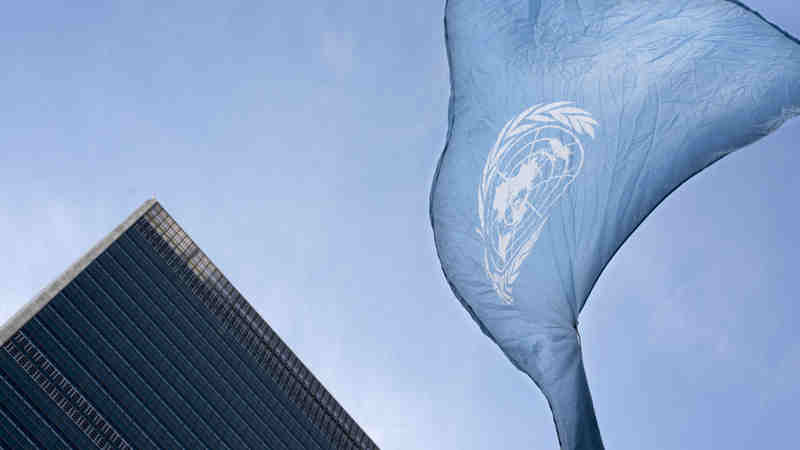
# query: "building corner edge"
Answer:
x=43 y=297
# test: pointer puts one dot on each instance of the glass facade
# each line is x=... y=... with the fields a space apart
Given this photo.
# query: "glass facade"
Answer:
x=146 y=344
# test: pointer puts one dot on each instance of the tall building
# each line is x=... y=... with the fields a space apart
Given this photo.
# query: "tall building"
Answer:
x=143 y=343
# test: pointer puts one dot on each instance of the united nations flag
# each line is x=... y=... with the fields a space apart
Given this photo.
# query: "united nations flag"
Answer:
x=569 y=121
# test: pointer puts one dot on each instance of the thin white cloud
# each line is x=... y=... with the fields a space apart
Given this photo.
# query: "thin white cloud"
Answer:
x=338 y=52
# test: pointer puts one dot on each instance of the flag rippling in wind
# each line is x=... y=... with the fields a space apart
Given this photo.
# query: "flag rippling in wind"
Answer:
x=569 y=121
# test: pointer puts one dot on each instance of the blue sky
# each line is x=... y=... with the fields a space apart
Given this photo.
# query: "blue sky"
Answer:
x=291 y=138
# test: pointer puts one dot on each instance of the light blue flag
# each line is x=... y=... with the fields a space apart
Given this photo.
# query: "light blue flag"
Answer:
x=570 y=120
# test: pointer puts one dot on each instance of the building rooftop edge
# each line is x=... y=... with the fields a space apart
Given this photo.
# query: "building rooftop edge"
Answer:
x=40 y=300
x=247 y=326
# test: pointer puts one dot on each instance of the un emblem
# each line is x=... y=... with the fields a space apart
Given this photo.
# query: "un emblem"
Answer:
x=536 y=157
